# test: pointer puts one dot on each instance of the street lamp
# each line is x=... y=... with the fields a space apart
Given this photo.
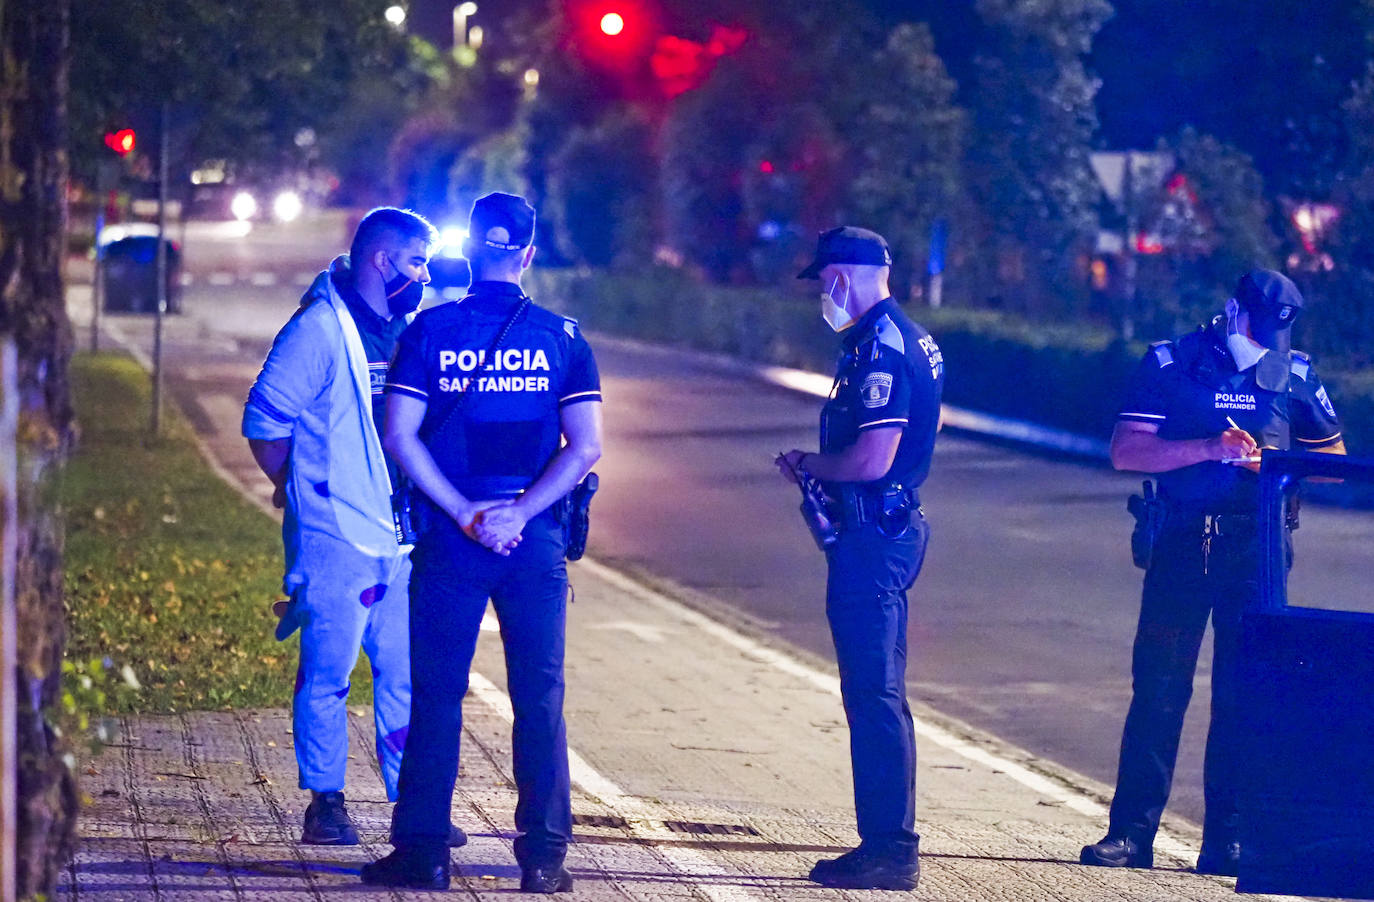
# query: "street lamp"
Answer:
x=396 y=15
x=461 y=12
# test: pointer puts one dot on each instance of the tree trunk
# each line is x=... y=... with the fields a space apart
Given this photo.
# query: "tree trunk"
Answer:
x=33 y=188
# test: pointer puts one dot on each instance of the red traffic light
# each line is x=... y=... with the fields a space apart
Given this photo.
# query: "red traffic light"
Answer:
x=612 y=24
x=121 y=142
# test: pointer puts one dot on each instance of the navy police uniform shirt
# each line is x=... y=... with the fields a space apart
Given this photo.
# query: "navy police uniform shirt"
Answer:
x=378 y=335
x=508 y=428
x=1189 y=387
x=891 y=373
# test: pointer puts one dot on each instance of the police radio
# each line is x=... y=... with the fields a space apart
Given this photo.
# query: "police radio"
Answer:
x=814 y=510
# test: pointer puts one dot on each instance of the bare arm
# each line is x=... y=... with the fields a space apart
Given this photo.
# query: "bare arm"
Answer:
x=867 y=459
x=581 y=428
x=404 y=414
x=1137 y=446
x=273 y=458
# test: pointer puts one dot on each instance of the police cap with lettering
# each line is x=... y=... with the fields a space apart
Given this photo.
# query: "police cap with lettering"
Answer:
x=848 y=244
x=502 y=222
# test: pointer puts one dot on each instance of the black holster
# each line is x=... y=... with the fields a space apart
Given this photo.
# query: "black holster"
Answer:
x=409 y=511
x=1150 y=515
x=573 y=510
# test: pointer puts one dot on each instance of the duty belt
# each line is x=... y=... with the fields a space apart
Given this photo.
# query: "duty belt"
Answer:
x=855 y=507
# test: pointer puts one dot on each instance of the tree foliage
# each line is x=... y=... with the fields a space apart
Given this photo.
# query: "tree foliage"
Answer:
x=1034 y=124
x=908 y=145
x=1215 y=231
x=242 y=78
x=602 y=189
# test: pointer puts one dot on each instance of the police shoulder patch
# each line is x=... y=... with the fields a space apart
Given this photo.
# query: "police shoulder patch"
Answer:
x=876 y=389
x=887 y=333
x=1325 y=400
x=570 y=326
x=1301 y=365
x=1164 y=352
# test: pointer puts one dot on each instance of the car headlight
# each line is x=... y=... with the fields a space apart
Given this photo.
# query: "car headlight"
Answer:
x=244 y=206
x=287 y=206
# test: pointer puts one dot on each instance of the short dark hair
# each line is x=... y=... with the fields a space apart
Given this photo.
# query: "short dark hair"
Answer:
x=389 y=226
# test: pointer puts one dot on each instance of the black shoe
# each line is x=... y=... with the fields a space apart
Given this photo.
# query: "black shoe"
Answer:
x=545 y=878
x=1219 y=858
x=407 y=868
x=862 y=869
x=1118 y=852
x=327 y=822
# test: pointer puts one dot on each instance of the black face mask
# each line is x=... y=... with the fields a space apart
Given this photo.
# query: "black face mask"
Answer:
x=403 y=294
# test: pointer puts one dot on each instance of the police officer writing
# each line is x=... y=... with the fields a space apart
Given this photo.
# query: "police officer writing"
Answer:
x=494 y=411
x=877 y=435
x=1199 y=413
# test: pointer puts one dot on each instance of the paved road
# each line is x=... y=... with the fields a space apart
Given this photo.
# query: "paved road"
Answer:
x=1022 y=620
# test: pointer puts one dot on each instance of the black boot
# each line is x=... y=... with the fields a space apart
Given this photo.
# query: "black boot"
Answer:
x=545 y=878
x=409 y=868
x=1219 y=858
x=1118 y=852
x=864 y=869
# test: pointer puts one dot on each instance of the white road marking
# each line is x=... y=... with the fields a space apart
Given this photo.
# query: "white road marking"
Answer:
x=1069 y=797
x=643 y=819
x=263 y=279
x=645 y=632
x=187 y=280
x=221 y=279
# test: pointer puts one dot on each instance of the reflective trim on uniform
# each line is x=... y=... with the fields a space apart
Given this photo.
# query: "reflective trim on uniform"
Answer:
x=1318 y=441
x=413 y=392
x=580 y=396
x=896 y=421
x=887 y=333
x=1126 y=415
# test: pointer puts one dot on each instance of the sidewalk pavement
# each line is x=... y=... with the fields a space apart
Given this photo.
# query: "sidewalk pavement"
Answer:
x=707 y=764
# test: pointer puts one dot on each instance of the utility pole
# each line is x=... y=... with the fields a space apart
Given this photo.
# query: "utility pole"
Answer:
x=161 y=270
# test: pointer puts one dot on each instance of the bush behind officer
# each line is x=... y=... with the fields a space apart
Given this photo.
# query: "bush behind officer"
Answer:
x=877 y=435
x=493 y=430
x=1198 y=413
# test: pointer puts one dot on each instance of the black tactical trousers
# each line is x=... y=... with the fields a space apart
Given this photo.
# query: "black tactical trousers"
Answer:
x=1201 y=567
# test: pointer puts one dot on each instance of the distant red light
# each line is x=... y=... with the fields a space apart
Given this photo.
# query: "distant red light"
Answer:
x=612 y=24
x=121 y=142
x=766 y=166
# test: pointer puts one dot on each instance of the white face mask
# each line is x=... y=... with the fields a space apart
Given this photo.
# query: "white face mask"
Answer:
x=833 y=311
x=1245 y=351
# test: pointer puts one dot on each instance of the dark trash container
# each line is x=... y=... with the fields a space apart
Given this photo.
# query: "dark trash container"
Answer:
x=1307 y=801
x=130 y=266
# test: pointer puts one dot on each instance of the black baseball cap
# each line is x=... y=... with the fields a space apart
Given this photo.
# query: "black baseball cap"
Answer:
x=503 y=222
x=1270 y=294
x=848 y=244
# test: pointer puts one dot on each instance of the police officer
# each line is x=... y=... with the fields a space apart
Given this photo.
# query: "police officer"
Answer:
x=877 y=434
x=1198 y=413
x=494 y=411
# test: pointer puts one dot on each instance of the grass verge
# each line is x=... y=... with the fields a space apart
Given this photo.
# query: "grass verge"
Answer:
x=168 y=570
